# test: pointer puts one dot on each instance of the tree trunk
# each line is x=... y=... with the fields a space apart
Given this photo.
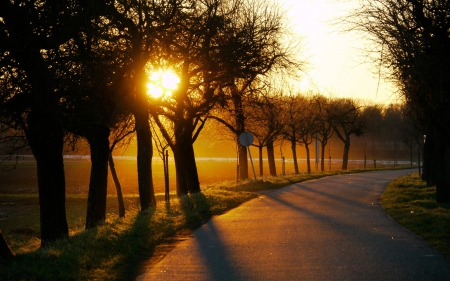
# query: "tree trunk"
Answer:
x=112 y=168
x=345 y=156
x=182 y=187
x=45 y=136
x=442 y=165
x=429 y=161
x=144 y=159
x=271 y=158
x=183 y=152
x=294 y=155
x=185 y=169
x=261 y=164
x=308 y=160
x=240 y=128
x=98 y=138
x=191 y=171
x=44 y=131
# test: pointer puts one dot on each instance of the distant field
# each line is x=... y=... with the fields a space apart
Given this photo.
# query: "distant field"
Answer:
x=21 y=178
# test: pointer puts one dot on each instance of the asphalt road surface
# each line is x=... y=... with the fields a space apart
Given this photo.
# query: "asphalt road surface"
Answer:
x=333 y=228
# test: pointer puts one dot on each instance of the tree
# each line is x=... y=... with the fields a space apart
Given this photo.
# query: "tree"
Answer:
x=374 y=127
x=411 y=133
x=31 y=36
x=346 y=121
x=192 y=49
x=120 y=137
x=260 y=44
x=391 y=129
x=138 y=27
x=324 y=127
x=301 y=124
x=93 y=103
x=292 y=110
x=307 y=125
x=266 y=123
x=410 y=39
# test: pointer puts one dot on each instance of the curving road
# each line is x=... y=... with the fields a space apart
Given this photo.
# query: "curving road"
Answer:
x=327 y=229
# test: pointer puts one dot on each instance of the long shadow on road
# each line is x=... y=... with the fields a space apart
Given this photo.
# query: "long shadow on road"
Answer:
x=327 y=229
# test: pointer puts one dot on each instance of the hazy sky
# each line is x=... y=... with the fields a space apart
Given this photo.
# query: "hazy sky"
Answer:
x=335 y=62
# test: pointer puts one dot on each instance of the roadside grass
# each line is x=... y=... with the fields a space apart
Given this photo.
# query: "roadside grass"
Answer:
x=412 y=204
x=120 y=248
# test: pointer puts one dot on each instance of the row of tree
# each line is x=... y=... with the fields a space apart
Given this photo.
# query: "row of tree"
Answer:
x=78 y=69
x=75 y=69
x=278 y=116
x=410 y=39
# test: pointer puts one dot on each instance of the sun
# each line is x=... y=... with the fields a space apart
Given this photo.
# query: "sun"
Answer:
x=162 y=83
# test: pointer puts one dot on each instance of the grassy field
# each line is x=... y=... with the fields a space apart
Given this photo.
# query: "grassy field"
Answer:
x=412 y=204
x=121 y=247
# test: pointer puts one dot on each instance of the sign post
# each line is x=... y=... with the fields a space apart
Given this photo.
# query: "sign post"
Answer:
x=246 y=139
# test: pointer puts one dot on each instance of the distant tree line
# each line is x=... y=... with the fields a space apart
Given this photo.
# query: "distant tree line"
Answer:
x=276 y=116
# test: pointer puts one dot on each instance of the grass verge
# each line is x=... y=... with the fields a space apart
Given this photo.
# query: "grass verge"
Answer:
x=120 y=248
x=412 y=204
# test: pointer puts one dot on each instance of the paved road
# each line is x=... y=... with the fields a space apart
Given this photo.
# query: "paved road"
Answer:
x=327 y=229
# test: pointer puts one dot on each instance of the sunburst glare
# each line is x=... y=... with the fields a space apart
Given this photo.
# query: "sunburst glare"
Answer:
x=162 y=83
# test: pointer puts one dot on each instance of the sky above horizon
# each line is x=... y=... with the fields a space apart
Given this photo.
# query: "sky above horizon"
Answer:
x=335 y=64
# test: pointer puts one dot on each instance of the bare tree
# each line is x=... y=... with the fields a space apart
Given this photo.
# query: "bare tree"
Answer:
x=261 y=39
x=302 y=124
x=193 y=49
x=267 y=123
x=392 y=123
x=138 y=27
x=346 y=121
x=292 y=110
x=324 y=127
x=120 y=137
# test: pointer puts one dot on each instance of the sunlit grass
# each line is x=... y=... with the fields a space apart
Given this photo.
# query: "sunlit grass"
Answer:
x=116 y=250
x=121 y=247
x=411 y=203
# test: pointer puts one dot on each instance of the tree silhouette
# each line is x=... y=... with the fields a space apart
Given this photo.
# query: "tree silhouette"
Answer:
x=324 y=127
x=266 y=122
x=260 y=45
x=410 y=39
x=192 y=49
x=346 y=121
x=31 y=36
x=137 y=28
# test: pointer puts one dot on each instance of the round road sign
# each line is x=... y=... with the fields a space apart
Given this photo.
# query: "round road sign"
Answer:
x=246 y=138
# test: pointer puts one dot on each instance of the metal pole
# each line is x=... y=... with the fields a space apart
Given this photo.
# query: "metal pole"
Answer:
x=251 y=160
